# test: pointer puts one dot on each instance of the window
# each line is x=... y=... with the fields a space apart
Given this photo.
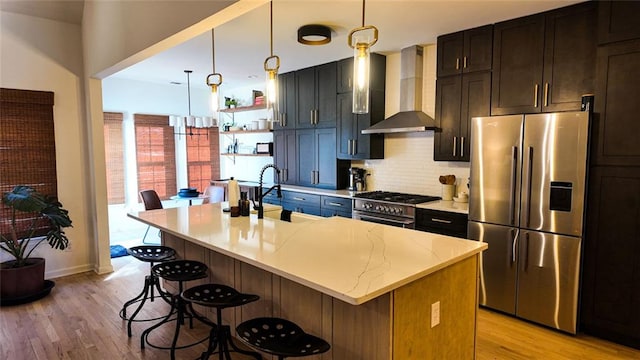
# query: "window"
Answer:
x=203 y=158
x=27 y=147
x=155 y=149
x=114 y=156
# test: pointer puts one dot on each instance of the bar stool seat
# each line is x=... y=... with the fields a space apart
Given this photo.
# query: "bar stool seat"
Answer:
x=180 y=271
x=219 y=297
x=280 y=337
x=151 y=254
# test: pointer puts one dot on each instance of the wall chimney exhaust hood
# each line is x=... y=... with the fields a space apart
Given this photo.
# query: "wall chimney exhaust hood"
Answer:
x=410 y=118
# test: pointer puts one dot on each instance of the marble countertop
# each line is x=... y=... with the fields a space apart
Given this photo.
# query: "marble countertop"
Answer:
x=442 y=205
x=354 y=261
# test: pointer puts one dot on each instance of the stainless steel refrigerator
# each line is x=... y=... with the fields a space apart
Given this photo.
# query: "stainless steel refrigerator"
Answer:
x=526 y=200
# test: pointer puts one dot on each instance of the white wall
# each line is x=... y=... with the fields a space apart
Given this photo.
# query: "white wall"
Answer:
x=39 y=54
x=408 y=164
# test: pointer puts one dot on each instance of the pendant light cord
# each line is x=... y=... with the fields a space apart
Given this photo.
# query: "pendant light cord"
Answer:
x=188 y=90
x=363 y=13
x=271 y=26
x=213 y=51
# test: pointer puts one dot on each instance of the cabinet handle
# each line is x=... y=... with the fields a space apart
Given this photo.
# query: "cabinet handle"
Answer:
x=464 y=62
x=457 y=63
x=535 y=95
x=285 y=175
x=455 y=143
x=355 y=146
x=284 y=120
x=335 y=204
x=317 y=116
x=311 y=116
x=350 y=83
x=299 y=198
x=441 y=221
x=462 y=146
x=546 y=94
x=313 y=177
x=349 y=147
x=317 y=177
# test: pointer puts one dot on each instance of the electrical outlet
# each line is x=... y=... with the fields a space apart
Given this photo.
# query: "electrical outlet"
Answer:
x=435 y=314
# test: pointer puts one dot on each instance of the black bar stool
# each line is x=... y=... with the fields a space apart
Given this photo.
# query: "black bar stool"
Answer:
x=219 y=297
x=150 y=254
x=180 y=271
x=280 y=337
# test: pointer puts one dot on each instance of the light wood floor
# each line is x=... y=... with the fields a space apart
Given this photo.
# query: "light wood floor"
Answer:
x=79 y=320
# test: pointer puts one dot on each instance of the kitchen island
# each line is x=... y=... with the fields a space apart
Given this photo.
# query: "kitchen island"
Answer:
x=368 y=289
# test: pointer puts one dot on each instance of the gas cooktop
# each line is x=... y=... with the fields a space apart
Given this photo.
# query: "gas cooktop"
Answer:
x=396 y=197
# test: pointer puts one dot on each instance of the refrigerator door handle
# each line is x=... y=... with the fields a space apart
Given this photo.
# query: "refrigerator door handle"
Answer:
x=529 y=185
x=514 y=246
x=526 y=254
x=512 y=187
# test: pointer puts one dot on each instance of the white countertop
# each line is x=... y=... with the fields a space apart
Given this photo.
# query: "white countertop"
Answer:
x=351 y=260
x=450 y=206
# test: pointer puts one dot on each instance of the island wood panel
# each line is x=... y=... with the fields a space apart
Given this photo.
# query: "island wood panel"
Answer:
x=362 y=331
x=414 y=338
x=252 y=280
x=221 y=271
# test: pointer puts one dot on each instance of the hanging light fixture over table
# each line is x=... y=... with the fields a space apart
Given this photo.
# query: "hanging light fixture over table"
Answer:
x=361 y=64
x=190 y=122
x=271 y=66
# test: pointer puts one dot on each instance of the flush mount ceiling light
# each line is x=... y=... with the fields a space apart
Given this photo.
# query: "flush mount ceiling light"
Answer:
x=314 y=35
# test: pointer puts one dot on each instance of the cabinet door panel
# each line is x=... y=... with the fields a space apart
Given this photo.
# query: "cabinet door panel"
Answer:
x=306 y=97
x=618 y=21
x=478 y=49
x=570 y=54
x=476 y=101
x=448 y=97
x=617 y=106
x=517 y=66
x=305 y=151
x=611 y=276
x=326 y=90
x=287 y=98
x=346 y=125
x=345 y=75
x=325 y=142
x=450 y=54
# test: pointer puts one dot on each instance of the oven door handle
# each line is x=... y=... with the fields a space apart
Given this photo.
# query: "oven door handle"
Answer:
x=382 y=219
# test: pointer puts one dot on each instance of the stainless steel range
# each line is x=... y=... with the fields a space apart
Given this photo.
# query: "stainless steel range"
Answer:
x=390 y=208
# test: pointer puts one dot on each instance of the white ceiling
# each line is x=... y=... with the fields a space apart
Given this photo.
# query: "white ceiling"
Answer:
x=243 y=43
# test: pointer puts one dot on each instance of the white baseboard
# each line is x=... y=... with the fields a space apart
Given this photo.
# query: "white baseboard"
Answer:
x=68 y=271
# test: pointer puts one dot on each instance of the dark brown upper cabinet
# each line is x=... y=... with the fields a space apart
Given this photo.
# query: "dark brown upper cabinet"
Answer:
x=465 y=51
x=458 y=99
x=544 y=62
x=316 y=96
x=617 y=121
x=618 y=21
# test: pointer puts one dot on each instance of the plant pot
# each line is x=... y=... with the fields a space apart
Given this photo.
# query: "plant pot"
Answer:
x=21 y=282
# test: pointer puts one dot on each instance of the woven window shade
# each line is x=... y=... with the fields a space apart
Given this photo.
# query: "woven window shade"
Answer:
x=155 y=154
x=203 y=158
x=27 y=149
x=114 y=156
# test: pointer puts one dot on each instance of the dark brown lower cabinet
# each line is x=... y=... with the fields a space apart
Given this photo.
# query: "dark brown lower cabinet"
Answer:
x=611 y=271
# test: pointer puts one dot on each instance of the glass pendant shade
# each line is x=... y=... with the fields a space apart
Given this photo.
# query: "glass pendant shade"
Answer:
x=272 y=94
x=215 y=99
x=361 y=65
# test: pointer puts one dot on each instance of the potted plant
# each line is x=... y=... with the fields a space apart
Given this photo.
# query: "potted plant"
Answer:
x=23 y=276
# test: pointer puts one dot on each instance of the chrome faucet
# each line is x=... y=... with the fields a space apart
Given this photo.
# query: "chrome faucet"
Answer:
x=260 y=208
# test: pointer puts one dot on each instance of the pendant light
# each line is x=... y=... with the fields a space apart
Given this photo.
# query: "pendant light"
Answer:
x=271 y=66
x=361 y=64
x=214 y=80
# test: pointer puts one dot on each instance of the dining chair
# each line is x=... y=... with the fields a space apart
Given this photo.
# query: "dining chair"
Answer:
x=213 y=194
x=151 y=201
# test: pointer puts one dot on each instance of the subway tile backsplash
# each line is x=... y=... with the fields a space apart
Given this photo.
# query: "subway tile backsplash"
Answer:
x=408 y=166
